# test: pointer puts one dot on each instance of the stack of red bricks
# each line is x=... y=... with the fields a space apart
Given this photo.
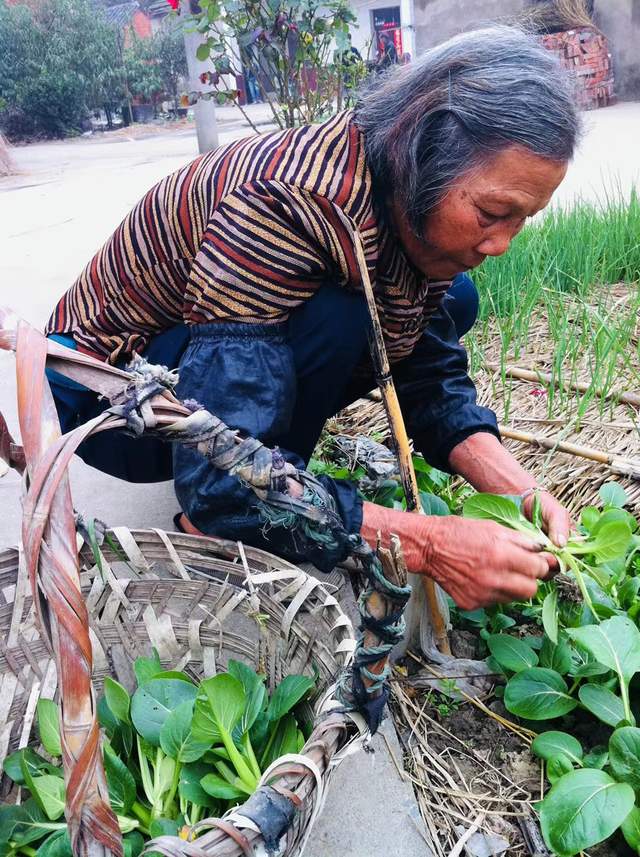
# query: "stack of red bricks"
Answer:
x=586 y=53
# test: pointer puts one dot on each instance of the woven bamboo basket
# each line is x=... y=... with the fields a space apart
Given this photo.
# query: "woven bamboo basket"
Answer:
x=198 y=601
x=68 y=618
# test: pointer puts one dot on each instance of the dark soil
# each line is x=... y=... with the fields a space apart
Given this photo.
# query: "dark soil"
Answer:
x=464 y=644
x=506 y=751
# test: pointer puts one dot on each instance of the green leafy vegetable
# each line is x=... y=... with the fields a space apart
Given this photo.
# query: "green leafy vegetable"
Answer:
x=511 y=653
x=189 y=786
x=631 y=829
x=557 y=767
x=57 y=844
x=147 y=668
x=122 y=786
x=220 y=789
x=153 y=702
x=603 y=703
x=556 y=657
x=176 y=737
x=550 y=615
x=624 y=756
x=492 y=507
x=288 y=694
x=582 y=809
x=117 y=699
x=538 y=694
x=613 y=494
x=49 y=726
x=49 y=792
x=34 y=762
x=549 y=745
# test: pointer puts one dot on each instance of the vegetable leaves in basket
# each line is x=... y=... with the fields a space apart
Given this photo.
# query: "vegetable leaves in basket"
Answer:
x=174 y=752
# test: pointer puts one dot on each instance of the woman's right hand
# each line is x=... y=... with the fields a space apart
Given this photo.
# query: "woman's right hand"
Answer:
x=477 y=563
x=481 y=563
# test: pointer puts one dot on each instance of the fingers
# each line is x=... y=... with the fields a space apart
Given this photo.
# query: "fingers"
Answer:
x=515 y=587
x=511 y=587
x=519 y=539
x=558 y=525
x=553 y=566
x=524 y=557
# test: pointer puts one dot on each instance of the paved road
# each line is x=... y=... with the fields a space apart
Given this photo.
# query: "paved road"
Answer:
x=67 y=198
x=64 y=201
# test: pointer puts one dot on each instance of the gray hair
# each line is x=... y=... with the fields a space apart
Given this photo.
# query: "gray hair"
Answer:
x=428 y=123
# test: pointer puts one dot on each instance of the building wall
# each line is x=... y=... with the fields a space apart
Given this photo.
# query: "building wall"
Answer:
x=437 y=20
x=363 y=35
x=619 y=20
x=425 y=23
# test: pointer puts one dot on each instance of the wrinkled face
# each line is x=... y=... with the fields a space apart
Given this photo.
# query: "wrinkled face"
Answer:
x=482 y=213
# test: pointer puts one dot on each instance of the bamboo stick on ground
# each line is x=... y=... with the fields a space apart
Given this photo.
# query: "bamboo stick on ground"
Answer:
x=522 y=374
x=621 y=466
x=617 y=463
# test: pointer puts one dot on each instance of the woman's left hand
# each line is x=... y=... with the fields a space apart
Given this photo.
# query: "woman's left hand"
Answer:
x=556 y=521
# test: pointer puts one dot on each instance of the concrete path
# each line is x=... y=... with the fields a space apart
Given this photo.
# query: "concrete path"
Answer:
x=607 y=162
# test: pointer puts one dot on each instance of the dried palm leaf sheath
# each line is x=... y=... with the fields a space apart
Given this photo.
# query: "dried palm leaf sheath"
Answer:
x=146 y=404
x=238 y=603
x=51 y=559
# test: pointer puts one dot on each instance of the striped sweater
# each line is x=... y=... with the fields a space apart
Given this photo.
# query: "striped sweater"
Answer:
x=247 y=233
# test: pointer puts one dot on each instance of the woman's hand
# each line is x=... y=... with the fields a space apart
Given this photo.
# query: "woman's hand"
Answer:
x=481 y=563
x=556 y=521
x=477 y=562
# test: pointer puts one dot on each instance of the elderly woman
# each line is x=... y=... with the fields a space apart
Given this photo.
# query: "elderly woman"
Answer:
x=240 y=268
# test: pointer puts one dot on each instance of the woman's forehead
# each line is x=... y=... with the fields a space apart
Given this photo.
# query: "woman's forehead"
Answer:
x=517 y=178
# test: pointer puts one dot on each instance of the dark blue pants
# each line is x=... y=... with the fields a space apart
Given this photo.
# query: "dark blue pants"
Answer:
x=327 y=339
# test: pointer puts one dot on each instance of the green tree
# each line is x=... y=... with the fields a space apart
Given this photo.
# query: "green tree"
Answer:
x=293 y=48
x=57 y=61
x=172 y=59
x=142 y=70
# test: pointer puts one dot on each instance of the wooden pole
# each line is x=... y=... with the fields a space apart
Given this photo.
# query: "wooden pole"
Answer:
x=619 y=464
x=402 y=447
x=521 y=374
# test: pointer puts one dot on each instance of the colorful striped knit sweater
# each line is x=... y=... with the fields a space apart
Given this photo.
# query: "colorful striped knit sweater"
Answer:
x=247 y=233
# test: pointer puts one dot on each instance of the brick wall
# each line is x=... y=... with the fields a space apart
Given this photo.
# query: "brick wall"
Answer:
x=586 y=54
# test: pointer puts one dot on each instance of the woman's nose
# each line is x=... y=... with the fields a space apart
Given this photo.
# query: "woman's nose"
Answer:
x=500 y=237
x=497 y=243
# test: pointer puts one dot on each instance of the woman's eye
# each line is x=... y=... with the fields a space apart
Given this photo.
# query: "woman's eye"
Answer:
x=487 y=217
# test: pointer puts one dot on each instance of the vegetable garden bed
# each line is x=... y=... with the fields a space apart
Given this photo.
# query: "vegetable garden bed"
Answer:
x=567 y=662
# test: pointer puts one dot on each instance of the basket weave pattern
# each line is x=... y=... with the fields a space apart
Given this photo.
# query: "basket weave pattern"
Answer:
x=238 y=602
x=92 y=620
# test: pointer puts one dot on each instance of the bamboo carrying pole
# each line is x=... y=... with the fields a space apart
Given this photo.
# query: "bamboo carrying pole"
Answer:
x=400 y=440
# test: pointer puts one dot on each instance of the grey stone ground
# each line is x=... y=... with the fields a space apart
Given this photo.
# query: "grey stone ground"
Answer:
x=65 y=201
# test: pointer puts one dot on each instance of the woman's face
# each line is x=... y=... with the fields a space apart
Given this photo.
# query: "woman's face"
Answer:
x=482 y=213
